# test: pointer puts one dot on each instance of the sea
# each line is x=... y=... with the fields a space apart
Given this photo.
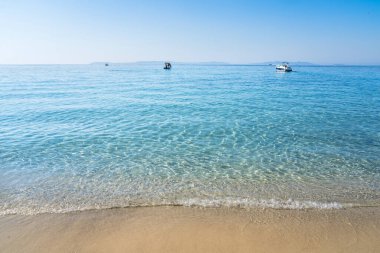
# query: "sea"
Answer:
x=83 y=137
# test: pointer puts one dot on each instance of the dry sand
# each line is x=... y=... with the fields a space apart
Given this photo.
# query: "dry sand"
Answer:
x=182 y=229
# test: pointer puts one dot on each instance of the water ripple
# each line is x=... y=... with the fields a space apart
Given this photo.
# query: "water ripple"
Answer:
x=85 y=136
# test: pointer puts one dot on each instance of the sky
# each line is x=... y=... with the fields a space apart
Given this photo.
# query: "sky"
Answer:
x=232 y=31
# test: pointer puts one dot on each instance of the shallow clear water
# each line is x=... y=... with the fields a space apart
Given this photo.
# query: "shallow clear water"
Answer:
x=75 y=137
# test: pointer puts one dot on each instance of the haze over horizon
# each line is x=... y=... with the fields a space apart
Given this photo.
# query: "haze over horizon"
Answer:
x=72 y=32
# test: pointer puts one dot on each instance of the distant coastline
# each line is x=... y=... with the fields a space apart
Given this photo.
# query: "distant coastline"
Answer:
x=216 y=63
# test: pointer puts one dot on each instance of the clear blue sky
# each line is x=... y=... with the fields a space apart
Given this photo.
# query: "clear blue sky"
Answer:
x=235 y=31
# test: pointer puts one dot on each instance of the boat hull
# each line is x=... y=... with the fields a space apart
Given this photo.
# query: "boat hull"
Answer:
x=283 y=69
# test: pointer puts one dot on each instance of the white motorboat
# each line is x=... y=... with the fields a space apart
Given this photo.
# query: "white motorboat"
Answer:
x=284 y=67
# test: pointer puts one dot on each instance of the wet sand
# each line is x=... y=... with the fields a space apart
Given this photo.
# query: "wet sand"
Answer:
x=185 y=229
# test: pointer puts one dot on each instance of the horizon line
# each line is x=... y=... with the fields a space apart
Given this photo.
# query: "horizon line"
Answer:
x=301 y=63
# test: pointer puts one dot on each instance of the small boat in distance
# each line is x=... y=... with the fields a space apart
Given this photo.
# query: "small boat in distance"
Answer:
x=284 y=67
x=167 y=65
x=106 y=64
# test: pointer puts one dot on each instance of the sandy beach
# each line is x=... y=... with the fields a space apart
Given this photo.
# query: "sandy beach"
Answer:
x=186 y=229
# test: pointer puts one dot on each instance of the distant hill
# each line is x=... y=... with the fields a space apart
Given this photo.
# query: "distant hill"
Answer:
x=204 y=63
x=123 y=63
x=295 y=63
x=161 y=62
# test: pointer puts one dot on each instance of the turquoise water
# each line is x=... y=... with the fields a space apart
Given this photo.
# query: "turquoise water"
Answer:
x=77 y=137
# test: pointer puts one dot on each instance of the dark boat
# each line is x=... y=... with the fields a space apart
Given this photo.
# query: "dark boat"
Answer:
x=167 y=65
x=106 y=64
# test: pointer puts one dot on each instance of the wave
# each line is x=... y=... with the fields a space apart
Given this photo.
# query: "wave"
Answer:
x=227 y=202
x=271 y=203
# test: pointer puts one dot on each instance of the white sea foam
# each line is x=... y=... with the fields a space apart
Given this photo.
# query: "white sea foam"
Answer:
x=271 y=203
x=191 y=202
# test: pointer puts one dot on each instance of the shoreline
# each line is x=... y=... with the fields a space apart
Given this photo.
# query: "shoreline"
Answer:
x=229 y=203
x=194 y=229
